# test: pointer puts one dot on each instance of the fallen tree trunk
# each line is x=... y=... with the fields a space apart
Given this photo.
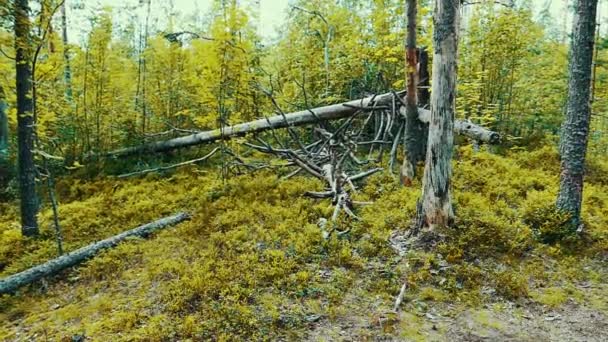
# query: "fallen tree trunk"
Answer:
x=304 y=117
x=15 y=281
x=465 y=128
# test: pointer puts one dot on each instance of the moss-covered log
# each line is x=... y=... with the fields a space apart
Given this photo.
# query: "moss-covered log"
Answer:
x=12 y=283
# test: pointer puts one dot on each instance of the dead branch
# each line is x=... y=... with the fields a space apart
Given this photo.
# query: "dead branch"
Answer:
x=169 y=167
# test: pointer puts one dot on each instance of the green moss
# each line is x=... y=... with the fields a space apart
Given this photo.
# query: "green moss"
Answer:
x=253 y=264
x=552 y=296
x=486 y=320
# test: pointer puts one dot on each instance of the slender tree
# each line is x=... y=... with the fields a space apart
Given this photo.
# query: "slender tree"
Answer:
x=3 y=126
x=436 y=205
x=4 y=163
x=415 y=130
x=575 y=129
x=25 y=120
x=67 y=70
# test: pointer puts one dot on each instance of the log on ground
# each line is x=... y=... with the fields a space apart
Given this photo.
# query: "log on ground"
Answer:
x=465 y=128
x=15 y=281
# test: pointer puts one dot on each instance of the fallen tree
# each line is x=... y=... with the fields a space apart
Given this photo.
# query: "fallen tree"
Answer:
x=465 y=128
x=15 y=281
x=304 y=117
x=333 y=112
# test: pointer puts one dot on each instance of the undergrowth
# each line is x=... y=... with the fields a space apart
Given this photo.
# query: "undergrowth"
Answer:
x=252 y=264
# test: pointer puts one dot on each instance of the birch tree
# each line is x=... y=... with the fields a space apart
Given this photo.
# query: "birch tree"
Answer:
x=575 y=129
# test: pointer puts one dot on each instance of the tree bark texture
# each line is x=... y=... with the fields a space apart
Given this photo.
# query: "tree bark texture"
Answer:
x=436 y=194
x=25 y=120
x=575 y=129
x=415 y=130
x=54 y=266
x=3 y=126
x=424 y=81
x=67 y=70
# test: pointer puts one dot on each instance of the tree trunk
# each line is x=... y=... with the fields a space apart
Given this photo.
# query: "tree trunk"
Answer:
x=468 y=129
x=415 y=130
x=424 y=95
x=144 y=112
x=3 y=127
x=25 y=121
x=54 y=266
x=67 y=71
x=436 y=203
x=305 y=117
x=575 y=129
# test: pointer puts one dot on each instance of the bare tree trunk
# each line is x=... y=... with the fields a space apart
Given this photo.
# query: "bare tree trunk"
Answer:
x=85 y=107
x=436 y=203
x=25 y=121
x=144 y=112
x=424 y=95
x=305 y=117
x=575 y=129
x=67 y=70
x=3 y=127
x=415 y=131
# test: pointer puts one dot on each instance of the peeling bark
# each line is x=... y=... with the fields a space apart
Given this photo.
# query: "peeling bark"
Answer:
x=436 y=197
x=575 y=129
x=415 y=130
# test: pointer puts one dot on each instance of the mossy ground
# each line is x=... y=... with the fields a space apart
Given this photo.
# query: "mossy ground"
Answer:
x=252 y=264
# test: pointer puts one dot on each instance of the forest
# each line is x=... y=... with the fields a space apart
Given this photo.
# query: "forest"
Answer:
x=374 y=170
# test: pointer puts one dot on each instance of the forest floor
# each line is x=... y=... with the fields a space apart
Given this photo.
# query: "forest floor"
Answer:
x=253 y=264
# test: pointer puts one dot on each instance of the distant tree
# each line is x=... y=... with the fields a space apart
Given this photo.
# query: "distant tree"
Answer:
x=3 y=126
x=575 y=129
x=25 y=120
x=435 y=208
x=67 y=70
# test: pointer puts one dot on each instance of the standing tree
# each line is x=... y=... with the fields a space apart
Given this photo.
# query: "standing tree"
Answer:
x=3 y=127
x=67 y=71
x=575 y=129
x=436 y=206
x=25 y=120
x=415 y=130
